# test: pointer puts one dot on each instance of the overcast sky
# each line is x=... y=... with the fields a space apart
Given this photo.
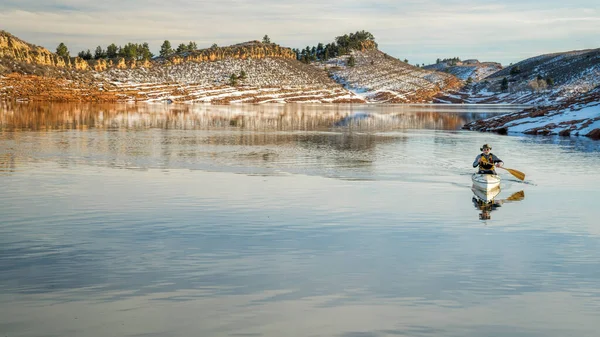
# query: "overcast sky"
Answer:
x=420 y=31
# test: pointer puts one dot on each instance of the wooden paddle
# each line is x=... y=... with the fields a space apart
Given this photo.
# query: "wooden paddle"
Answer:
x=518 y=174
x=517 y=196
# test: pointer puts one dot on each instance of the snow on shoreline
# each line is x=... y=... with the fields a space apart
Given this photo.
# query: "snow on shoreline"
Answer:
x=579 y=117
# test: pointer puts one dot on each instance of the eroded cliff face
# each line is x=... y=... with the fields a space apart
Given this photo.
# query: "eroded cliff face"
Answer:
x=15 y=48
x=368 y=45
x=243 y=51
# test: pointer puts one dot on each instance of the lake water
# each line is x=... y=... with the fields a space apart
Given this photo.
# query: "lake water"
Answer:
x=290 y=220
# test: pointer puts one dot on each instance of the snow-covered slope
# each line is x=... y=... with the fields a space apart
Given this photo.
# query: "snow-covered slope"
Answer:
x=542 y=80
x=379 y=77
x=474 y=69
x=266 y=72
x=266 y=80
x=579 y=116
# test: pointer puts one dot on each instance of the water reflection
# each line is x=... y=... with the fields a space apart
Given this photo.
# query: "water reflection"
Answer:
x=306 y=117
x=486 y=202
x=191 y=249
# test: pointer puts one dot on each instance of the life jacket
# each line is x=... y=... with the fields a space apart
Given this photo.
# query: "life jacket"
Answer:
x=487 y=162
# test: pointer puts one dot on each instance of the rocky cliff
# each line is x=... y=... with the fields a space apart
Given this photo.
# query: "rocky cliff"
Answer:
x=19 y=51
x=242 y=51
x=16 y=49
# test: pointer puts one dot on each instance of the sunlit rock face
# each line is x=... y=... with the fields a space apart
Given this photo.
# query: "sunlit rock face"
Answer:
x=80 y=64
x=368 y=45
x=19 y=50
x=247 y=50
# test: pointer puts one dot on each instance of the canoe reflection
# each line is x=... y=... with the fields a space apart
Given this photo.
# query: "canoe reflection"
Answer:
x=486 y=201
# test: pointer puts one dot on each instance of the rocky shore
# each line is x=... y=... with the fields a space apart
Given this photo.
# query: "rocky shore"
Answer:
x=578 y=116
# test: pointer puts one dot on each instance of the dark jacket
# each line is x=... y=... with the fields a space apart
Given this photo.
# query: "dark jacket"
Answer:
x=488 y=161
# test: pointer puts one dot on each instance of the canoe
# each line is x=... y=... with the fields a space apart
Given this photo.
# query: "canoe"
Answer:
x=485 y=182
x=486 y=195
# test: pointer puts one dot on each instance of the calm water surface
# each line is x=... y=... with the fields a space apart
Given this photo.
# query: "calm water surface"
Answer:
x=290 y=220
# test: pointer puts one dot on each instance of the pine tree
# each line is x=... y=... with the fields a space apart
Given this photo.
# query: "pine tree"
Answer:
x=181 y=48
x=99 y=53
x=504 y=84
x=111 y=51
x=62 y=51
x=165 y=49
x=130 y=51
x=233 y=80
x=192 y=46
x=144 y=52
x=266 y=39
x=320 y=50
x=351 y=61
x=86 y=55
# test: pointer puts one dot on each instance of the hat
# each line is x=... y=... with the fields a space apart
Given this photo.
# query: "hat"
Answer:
x=485 y=146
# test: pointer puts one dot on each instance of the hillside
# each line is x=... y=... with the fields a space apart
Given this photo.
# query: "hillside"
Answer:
x=378 y=77
x=13 y=48
x=257 y=72
x=250 y=72
x=541 y=80
x=263 y=73
x=467 y=69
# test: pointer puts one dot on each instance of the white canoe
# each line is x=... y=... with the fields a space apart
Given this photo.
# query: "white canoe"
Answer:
x=486 y=195
x=486 y=182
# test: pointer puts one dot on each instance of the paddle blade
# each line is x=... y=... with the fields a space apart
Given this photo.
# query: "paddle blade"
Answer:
x=517 y=196
x=518 y=174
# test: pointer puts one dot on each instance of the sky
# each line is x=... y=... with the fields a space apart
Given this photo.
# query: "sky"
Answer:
x=420 y=31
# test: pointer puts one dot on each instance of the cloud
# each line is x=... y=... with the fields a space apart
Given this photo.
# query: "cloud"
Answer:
x=409 y=29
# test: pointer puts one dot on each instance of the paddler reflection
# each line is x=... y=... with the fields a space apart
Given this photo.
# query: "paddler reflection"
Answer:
x=486 y=201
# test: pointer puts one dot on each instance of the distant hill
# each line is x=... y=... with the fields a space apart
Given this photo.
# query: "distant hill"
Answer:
x=467 y=69
x=541 y=80
x=250 y=72
x=379 y=77
x=246 y=72
x=257 y=72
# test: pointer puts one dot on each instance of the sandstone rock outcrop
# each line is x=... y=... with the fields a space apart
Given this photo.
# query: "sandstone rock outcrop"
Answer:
x=243 y=51
x=15 y=48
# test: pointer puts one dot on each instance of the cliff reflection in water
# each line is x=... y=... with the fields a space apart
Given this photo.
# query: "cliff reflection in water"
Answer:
x=288 y=117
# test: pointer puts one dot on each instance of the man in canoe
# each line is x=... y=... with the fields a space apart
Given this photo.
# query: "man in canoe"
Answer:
x=486 y=160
